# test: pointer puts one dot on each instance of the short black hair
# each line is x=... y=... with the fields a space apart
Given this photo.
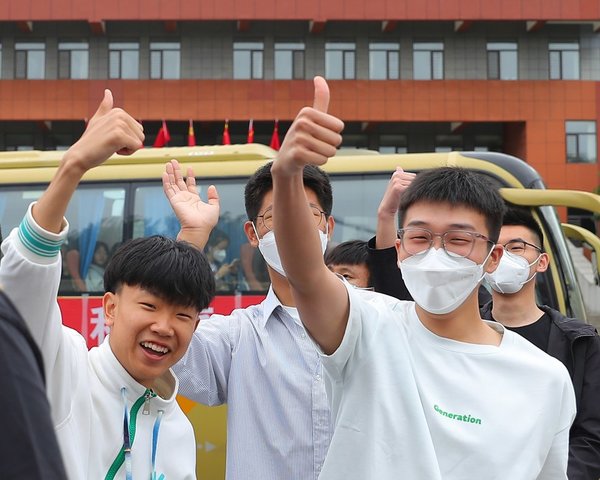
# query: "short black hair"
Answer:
x=261 y=182
x=457 y=186
x=352 y=252
x=175 y=271
x=522 y=217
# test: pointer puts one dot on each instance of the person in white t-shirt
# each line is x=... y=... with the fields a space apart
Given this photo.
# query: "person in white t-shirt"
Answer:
x=423 y=390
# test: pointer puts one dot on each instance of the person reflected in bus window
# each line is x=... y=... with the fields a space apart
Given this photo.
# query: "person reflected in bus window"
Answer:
x=259 y=360
x=254 y=268
x=349 y=259
x=28 y=448
x=423 y=389
x=226 y=273
x=385 y=272
x=73 y=258
x=156 y=288
x=575 y=343
x=94 y=280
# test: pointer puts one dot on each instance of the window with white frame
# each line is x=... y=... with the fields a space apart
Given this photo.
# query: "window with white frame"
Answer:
x=73 y=60
x=165 y=60
x=581 y=141
x=124 y=60
x=564 y=60
x=502 y=60
x=289 y=60
x=384 y=61
x=340 y=60
x=428 y=60
x=30 y=59
x=248 y=60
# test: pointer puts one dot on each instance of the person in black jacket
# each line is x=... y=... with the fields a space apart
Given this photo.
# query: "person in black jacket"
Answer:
x=28 y=445
x=575 y=343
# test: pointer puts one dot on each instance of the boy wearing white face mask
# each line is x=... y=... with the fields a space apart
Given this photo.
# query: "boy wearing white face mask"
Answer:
x=260 y=360
x=428 y=390
x=575 y=343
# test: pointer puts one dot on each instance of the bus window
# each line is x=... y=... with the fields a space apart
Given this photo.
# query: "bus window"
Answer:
x=355 y=202
x=14 y=204
x=96 y=221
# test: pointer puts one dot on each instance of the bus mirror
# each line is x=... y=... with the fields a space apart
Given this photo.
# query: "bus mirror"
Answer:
x=580 y=234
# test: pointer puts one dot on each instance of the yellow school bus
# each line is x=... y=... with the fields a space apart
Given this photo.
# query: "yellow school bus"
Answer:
x=123 y=199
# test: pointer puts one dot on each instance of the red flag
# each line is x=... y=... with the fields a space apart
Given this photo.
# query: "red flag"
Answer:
x=275 y=145
x=226 y=137
x=163 y=137
x=250 y=132
x=191 y=135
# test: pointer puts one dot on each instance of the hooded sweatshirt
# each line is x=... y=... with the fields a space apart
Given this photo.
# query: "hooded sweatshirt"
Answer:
x=89 y=391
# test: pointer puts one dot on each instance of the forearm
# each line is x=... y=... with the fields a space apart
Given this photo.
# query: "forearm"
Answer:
x=386 y=233
x=195 y=236
x=297 y=238
x=50 y=209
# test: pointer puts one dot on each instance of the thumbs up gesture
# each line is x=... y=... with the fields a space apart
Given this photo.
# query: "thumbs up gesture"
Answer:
x=110 y=130
x=313 y=137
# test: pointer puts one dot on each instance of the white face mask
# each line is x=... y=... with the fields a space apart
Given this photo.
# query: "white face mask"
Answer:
x=219 y=255
x=438 y=282
x=512 y=273
x=268 y=248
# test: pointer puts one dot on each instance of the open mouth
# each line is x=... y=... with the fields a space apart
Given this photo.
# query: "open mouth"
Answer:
x=154 y=349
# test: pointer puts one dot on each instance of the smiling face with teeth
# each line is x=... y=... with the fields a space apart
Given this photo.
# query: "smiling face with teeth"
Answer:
x=148 y=334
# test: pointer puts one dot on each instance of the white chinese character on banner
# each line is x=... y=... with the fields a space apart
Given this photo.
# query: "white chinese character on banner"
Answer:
x=100 y=328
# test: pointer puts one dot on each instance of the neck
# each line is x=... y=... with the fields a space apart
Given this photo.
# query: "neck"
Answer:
x=516 y=309
x=463 y=324
x=282 y=289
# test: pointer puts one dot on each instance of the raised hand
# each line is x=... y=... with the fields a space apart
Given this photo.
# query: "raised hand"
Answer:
x=398 y=183
x=197 y=218
x=111 y=130
x=388 y=208
x=314 y=135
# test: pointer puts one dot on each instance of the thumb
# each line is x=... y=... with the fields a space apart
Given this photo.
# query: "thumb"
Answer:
x=106 y=104
x=212 y=195
x=321 y=101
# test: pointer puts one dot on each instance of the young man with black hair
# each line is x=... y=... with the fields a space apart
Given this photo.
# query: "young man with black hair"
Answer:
x=424 y=390
x=113 y=407
x=350 y=260
x=260 y=360
x=575 y=343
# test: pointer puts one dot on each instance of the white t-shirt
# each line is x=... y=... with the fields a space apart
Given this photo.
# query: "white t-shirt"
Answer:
x=409 y=404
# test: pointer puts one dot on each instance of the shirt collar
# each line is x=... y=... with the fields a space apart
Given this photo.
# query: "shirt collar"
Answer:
x=269 y=304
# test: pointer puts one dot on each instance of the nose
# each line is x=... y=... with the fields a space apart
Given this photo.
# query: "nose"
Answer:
x=162 y=326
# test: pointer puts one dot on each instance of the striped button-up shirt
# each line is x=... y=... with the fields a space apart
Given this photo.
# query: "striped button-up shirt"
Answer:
x=262 y=363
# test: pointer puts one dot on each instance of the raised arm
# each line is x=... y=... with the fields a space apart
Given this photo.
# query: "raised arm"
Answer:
x=321 y=298
x=110 y=130
x=197 y=218
x=388 y=208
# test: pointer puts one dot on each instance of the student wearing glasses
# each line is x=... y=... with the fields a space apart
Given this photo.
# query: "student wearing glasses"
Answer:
x=573 y=342
x=260 y=360
x=423 y=389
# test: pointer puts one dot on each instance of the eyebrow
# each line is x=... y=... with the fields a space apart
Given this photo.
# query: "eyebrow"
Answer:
x=452 y=226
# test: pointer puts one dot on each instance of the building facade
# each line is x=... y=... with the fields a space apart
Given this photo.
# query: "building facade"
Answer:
x=517 y=76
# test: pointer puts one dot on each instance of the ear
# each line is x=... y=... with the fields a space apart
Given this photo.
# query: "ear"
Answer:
x=543 y=263
x=330 y=227
x=109 y=303
x=494 y=260
x=250 y=233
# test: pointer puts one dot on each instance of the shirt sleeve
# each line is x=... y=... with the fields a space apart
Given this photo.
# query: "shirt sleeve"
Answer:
x=584 y=446
x=385 y=274
x=30 y=275
x=203 y=372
